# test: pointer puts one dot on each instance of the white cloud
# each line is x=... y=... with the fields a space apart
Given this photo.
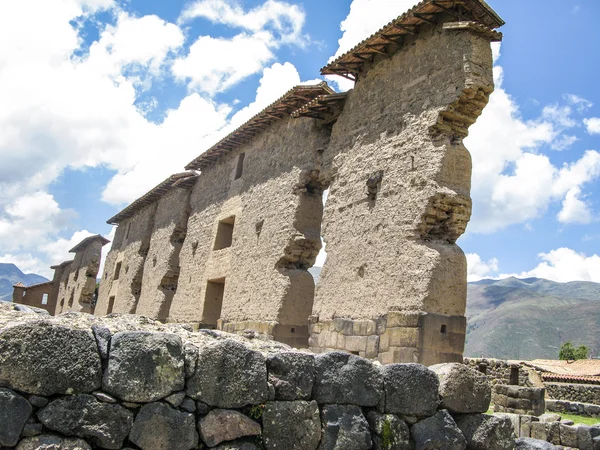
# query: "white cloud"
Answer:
x=563 y=265
x=580 y=103
x=513 y=182
x=574 y=209
x=57 y=250
x=478 y=269
x=283 y=19
x=593 y=125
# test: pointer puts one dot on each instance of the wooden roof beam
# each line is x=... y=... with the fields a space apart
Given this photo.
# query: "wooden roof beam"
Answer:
x=449 y=11
x=399 y=26
x=375 y=49
x=424 y=18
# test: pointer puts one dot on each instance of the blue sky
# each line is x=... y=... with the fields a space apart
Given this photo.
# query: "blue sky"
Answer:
x=102 y=99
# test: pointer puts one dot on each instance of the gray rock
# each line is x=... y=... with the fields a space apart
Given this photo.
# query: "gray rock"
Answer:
x=190 y=356
x=533 y=444
x=202 y=408
x=294 y=425
x=229 y=375
x=485 y=432
x=344 y=428
x=188 y=405
x=176 y=398
x=389 y=431
x=585 y=437
x=221 y=425
x=44 y=359
x=104 y=424
x=102 y=335
x=31 y=309
x=568 y=436
x=159 y=427
x=291 y=374
x=438 y=432
x=410 y=389
x=37 y=401
x=550 y=417
x=104 y=397
x=144 y=366
x=463 y=390
x=51 y=442
x=344 y=378
x=32 y=429
x=237 y=446
x=14 y=412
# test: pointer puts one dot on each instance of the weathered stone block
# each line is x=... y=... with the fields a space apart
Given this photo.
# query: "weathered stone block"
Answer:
x=292 y=425
x=345 y=378
x=410 y=390
x=568 y=436
x=158 y=426
x=291 y=374
x=229 y=375
x=403 y=319
x=372 y=347
x=225 y=425
x=14 y=412
x=356 y=343
x=484 y=432
x=44 y=358
x=344 y=428
x=51 y=442
x=438 y=432
x=104 y=424
x=389 y=432
x=462 y=389
x=403 y=337
x=144 y=366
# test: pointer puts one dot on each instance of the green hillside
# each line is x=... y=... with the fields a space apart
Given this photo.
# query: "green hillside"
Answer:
x=530 y=318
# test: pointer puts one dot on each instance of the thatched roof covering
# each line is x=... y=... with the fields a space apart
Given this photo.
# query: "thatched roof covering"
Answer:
x=183 y=180
x=87 y=241
x=284 y=106
x=351 y=63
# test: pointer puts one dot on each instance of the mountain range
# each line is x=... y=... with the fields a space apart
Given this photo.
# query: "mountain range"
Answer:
x=11 y=275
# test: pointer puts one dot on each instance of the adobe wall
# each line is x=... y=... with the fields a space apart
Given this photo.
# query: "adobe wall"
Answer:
x=34 y=295
x=399 y=200
x=81 y=381
x=276 y=235
x=161 y=266
x=61 y=279
x=128 y=253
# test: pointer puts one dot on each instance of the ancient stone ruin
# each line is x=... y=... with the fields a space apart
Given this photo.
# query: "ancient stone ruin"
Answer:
x=228 y=244
x=73 y=287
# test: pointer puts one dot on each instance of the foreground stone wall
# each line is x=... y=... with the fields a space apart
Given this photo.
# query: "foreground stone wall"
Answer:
x=578 y=408
x=79 y=382
x=519 y=400
x=574 y=392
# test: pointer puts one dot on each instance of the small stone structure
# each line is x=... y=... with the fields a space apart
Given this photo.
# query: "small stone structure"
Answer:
x=519 y=400
x=74 y=283
x=230 y=247
x=79 y=381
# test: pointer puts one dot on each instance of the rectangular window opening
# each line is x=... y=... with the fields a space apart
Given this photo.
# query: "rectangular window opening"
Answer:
x=117 y=271
x=213 y=301
x=44 y=299
x=239 y=167
x=111 y=304
x=443 y=330
x=224 y=236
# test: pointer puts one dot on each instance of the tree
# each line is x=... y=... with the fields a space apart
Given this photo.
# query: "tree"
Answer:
x=582 y=352
x=570 y=353
x=567 y=351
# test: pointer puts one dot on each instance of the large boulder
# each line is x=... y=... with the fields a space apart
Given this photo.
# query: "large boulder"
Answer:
x=463 y=390
x=525 y=443
x=242 y=445
x=410 y=390
x=294 y=425
x=389 y=431
x=104 y=424
x=229 y=375
x=438 y=432
x=44 y=358
x=14 y=412
x=292 y=375
x=485 y=432
x=51 y=442
x=160 y=427
x=221 y=425
x=344 y=378
x=144 y=366
x=344 y=428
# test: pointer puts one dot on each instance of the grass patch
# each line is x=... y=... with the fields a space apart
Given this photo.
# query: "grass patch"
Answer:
x=580 y=419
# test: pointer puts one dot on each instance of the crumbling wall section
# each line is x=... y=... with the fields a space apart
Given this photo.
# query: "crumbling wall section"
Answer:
x=81 y=279
x=64 y=294
x=276 y=211
x=399 y=198
x=161 y=269
x=121 y=284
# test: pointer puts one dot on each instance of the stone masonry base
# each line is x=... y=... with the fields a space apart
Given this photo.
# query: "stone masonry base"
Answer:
x=293 y=335
x=393 y=338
